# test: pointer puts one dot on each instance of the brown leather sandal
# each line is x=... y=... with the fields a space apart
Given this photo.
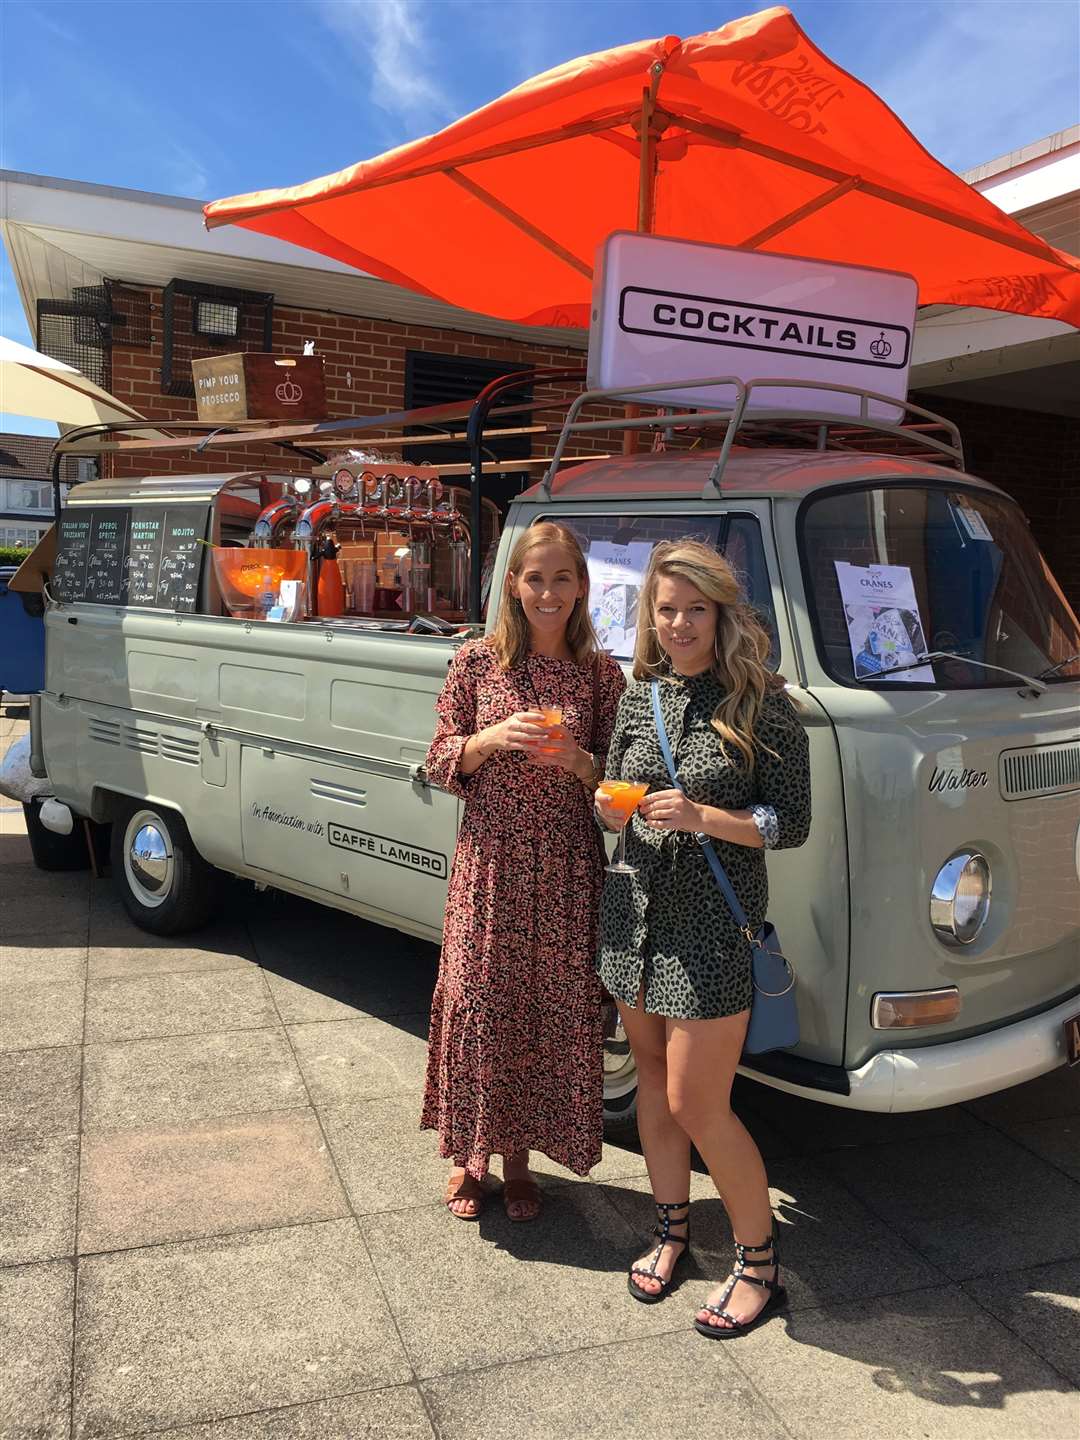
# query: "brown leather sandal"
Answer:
x=466 y=1188
x=522 y=1192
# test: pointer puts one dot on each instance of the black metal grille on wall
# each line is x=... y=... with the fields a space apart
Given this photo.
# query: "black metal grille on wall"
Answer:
x=78 y=331
x=83 y=330
x=200 y=320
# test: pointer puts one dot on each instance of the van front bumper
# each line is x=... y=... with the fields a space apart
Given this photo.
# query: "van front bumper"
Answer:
x=946 y=1074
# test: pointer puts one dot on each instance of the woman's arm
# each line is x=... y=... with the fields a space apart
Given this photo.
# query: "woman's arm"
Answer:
x=457 y=749
x=781 y=808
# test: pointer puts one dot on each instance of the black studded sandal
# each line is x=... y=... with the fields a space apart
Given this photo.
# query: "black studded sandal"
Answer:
x=777 y=1294
x=663 y=1233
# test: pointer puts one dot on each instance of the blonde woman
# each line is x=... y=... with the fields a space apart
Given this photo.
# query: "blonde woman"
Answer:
x=671 y=952
x=515 y=1049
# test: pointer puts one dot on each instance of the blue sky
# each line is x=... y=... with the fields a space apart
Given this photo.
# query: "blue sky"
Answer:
x=211 y=97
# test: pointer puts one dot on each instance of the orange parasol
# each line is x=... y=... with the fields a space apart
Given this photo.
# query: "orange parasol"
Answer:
x=747 y=135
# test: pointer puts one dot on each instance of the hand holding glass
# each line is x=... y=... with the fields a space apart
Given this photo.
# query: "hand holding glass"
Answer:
x=625 y=796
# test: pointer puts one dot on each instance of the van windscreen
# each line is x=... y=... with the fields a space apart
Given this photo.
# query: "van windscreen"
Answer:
x=617 y=549
x=896 y=572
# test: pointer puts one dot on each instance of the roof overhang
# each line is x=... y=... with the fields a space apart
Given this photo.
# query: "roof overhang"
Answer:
x=63 y=233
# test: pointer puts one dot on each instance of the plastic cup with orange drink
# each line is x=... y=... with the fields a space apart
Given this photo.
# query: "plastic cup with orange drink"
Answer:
x=553 y=718
x=624 y=796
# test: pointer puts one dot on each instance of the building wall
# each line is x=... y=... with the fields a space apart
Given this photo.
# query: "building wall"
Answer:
x=1035 y=457
x=364 y=362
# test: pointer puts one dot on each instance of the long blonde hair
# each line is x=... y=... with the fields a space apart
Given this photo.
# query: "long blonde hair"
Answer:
x=510 y=637
x=741 y=646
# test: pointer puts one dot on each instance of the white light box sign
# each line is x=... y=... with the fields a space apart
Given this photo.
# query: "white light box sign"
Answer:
x=666 y=310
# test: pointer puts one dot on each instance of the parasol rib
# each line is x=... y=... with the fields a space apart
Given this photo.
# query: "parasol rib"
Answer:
x=513 y=218
x=492 y=152
x=794 y=216
x=722 y=136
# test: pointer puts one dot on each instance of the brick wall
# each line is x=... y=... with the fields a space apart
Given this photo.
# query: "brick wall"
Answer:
x=364 y=361
x=1035 y=457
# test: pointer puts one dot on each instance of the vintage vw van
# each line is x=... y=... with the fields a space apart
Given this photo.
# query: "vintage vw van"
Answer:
x=933 y=916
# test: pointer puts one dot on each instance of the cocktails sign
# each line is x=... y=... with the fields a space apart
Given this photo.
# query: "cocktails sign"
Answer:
x=676 y=310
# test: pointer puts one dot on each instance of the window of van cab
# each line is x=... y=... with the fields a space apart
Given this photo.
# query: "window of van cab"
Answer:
x=971 y=579
x=617 y=548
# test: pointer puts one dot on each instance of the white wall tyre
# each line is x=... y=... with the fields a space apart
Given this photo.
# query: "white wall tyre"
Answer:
x=620 y=1087
x=164 y=883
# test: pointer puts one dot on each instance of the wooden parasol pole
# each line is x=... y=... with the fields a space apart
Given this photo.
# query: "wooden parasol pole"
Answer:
x=647 y=134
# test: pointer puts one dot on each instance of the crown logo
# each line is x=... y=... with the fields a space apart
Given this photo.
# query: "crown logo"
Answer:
x=289 y=393
x=880 y=347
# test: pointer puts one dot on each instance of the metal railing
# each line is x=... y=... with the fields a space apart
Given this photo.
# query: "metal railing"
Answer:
x=828 y=429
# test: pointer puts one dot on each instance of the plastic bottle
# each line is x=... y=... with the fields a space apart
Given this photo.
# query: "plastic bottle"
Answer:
x=265 y=594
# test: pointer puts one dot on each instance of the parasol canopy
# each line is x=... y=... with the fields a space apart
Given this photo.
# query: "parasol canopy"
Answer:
x=38 y=385
x=747 y=135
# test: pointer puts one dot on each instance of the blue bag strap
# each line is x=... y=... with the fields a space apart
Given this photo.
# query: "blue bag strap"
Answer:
x=719 y=873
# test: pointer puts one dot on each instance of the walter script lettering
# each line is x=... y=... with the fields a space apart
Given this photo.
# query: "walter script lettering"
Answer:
x=942 y=780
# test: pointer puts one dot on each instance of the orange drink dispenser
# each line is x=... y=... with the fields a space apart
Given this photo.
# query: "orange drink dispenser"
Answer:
x=242 y=574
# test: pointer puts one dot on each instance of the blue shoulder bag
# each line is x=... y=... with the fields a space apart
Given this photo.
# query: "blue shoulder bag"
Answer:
x=774 y=1019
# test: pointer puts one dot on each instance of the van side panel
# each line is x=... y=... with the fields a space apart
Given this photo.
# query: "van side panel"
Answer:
x=809 y=898
x=292 y=752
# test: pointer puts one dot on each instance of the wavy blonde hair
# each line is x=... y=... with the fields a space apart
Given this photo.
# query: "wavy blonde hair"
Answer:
x=510 y=637
x=741 y=646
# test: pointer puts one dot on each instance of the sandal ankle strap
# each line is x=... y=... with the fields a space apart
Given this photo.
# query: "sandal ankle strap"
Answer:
x=770 y=1247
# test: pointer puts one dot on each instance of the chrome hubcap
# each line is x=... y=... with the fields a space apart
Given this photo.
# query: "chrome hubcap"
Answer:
x=148 y=858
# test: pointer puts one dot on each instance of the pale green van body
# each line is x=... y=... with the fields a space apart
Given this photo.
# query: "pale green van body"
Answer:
x=294 y=754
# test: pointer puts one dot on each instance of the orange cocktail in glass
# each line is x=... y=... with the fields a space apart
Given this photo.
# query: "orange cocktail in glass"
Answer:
x=553 y=718
x=625 y=796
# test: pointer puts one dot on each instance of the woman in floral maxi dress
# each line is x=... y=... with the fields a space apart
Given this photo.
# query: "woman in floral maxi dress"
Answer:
x=515 y=1047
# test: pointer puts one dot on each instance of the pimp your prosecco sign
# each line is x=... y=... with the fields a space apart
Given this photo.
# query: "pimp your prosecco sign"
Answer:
x=676 y=310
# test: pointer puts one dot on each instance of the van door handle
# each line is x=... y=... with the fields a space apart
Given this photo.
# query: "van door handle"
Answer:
x=418 y=776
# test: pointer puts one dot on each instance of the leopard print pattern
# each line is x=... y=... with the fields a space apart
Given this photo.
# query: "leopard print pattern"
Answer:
x=667 y=931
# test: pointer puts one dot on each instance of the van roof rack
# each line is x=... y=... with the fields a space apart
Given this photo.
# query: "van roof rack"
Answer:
x=925 y=434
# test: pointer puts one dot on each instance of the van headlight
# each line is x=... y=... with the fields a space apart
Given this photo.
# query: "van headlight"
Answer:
x=960 y=898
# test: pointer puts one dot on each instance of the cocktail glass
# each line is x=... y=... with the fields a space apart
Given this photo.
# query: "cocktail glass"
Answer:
x=553 y=718
x=626 y=796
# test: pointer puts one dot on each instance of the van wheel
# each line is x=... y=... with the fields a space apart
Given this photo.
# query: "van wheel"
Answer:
x=620 y=1086
x=164 y=883
x=52 y=851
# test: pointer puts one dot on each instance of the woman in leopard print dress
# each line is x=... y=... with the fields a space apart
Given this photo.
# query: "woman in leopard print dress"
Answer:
x=671 y=952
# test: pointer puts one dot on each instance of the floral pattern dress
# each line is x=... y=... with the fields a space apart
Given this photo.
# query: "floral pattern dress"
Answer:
x=515 y=1046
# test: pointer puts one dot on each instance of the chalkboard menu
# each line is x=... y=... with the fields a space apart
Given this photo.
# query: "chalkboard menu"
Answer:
x=149 y=556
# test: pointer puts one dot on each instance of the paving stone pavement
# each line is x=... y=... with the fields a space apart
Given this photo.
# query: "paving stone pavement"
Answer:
x=218 y=1221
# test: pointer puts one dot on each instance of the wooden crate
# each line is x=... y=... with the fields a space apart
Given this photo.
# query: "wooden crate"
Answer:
x=255 y=386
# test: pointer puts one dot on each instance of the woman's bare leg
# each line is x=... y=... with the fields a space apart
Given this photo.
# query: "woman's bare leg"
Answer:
x=516 y=1167
x=701 y=1060
x=665 y=1145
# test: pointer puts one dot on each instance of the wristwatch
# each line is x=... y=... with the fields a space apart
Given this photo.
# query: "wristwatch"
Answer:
x=597 y=773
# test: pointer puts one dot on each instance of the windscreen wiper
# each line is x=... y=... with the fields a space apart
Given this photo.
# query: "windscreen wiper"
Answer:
x=1053 y=669
x=1029 y=680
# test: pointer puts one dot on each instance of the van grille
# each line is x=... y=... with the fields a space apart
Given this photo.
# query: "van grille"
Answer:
x=182 y=749
x=105 y=732
x=1040 y=770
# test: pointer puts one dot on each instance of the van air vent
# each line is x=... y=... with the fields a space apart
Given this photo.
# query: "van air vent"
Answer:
x=1040 y=770
x=105 y=732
